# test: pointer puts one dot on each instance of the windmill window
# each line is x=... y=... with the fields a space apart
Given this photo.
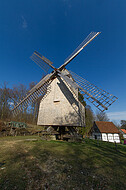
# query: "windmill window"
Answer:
x=56 y=101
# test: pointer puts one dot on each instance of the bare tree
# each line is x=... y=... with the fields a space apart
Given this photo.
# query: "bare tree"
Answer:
x=34 y=106
x=4 y=101
x=101 y=116
x=10 y=97
x=123 y=124
x=17 y=93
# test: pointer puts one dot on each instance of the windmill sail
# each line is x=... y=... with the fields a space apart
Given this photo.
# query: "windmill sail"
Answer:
x=39 y=84
x=74 y=85
x=86 y=41
x=41 y=61
x=98 y=97
x=30 y=98
x=37 y=91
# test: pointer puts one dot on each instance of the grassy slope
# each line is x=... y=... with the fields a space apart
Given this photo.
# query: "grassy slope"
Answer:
x=55 y=165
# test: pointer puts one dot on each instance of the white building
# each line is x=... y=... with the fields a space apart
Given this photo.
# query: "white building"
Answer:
x=105 y=131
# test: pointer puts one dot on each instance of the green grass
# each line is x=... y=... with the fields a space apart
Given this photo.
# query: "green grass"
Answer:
x=28 y=163
x=34 y=128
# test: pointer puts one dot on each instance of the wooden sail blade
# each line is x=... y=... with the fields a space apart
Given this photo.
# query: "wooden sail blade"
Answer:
x=42 y=61
x=86 y=41
x=30 y=98
x=37 y=91
x=45 y=79
x=98 y=97
x=73 y=85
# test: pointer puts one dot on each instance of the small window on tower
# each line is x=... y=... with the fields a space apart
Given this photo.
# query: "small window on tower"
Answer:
x=56 y=101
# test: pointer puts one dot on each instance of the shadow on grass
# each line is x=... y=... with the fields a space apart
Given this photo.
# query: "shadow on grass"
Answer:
x=62 y=165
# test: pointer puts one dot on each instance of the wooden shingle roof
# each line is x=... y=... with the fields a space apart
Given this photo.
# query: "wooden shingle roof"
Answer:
x=106 y=127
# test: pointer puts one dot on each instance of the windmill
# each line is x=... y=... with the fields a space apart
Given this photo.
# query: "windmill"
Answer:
x=59 y=106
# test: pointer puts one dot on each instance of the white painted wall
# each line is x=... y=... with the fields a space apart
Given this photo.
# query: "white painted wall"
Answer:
x=104 y=137
x=116 y=138
x=110 y=137
x=113 y=137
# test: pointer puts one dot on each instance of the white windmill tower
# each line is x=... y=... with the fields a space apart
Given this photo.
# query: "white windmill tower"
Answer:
x=59 y=106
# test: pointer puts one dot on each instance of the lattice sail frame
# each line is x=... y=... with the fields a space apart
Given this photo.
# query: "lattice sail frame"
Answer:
x=41 y=61
x=31 y=97
x=86 y=41
x=98 y=97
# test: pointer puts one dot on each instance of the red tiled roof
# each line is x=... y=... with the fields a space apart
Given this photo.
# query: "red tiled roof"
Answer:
x=123 y=130
x=106 y=127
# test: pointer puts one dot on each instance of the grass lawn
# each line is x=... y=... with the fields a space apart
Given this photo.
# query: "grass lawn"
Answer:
x=28 y=163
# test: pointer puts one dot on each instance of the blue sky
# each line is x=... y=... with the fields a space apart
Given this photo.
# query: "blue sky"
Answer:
x=55 y=28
